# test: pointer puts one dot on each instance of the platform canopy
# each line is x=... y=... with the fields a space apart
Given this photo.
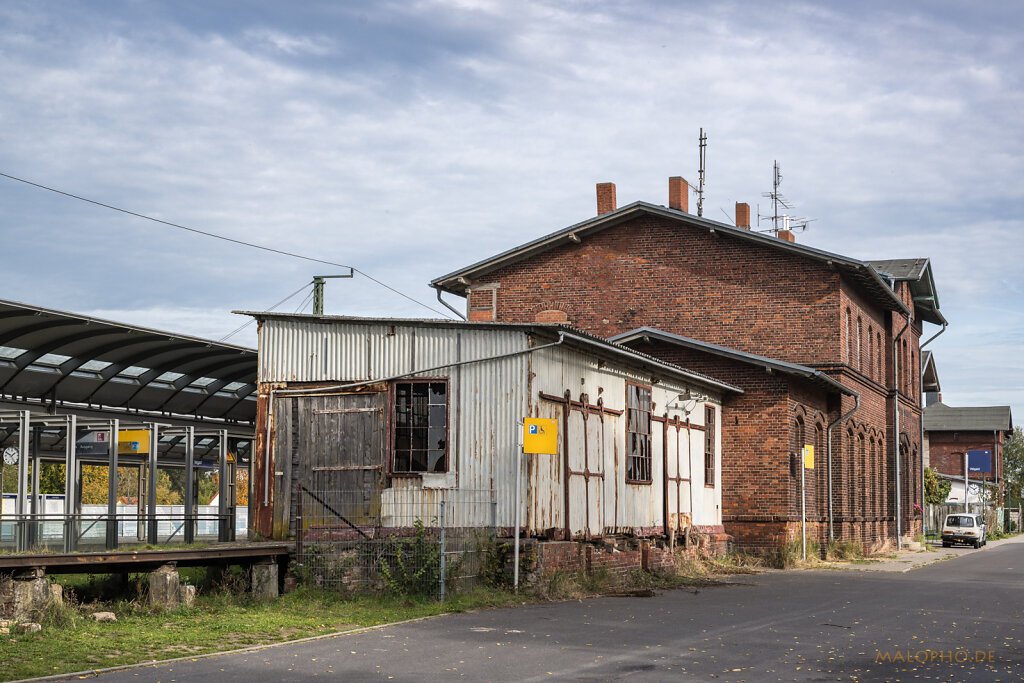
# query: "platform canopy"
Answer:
x=66 y=360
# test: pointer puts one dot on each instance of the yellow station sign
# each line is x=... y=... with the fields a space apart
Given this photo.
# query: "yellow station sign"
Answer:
x=133 y=442
x=540 y=436
x=809 y=457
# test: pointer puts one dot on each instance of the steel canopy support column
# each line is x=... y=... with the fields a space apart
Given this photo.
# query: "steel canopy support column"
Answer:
x=222 y=498
x=190 y=508
x=154 y=435
x=112 y=486
x=35 y=501
x=71 y=482
x=24 y=433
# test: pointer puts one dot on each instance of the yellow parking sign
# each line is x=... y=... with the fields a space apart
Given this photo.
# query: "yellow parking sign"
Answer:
x=809 y=457
x=540 y=436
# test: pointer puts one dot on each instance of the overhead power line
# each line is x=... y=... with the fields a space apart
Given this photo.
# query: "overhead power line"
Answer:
x=222 y=237
x=250 y=321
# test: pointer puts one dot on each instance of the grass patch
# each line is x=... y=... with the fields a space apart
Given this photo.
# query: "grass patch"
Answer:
x=71 y=641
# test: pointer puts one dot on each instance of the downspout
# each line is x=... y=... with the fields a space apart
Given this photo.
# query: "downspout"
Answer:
x=353 y=385
x=896 y=426
x=446 y=304
x=924 y=517
x=828 y=450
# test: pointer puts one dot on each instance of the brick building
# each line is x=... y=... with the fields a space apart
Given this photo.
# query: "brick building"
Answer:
x=950 y=432
x=683 y=277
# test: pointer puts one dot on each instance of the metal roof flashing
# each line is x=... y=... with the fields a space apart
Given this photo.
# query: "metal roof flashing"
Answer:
x=574 y=336
x=785 y=367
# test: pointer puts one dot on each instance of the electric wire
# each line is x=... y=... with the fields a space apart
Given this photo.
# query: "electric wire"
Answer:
x=226 y=239
x=250 y=321
x=304 y=302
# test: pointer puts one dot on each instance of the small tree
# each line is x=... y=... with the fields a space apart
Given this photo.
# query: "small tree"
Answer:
x=936 y=489
x=1013 y=464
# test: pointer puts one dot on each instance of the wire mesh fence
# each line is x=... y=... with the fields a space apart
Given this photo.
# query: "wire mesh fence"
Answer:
x=429 y=542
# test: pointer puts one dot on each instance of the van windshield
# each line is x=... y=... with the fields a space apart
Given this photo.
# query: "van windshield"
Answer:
x=959 y=520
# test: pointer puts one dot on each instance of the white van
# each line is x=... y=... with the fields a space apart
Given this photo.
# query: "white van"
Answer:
x=963 y=528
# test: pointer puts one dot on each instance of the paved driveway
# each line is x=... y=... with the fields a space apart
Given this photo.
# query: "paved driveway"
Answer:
x=964 y=618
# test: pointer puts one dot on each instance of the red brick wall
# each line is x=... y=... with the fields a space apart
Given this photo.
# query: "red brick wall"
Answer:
x=572 y=556
x=653 y=272
x=946 y=452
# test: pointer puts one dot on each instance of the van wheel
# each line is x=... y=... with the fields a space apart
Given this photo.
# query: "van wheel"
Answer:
x=977 y=544
x=945 y=544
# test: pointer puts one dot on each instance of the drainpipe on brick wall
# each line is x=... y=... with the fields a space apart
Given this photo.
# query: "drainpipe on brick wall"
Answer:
x=448 y=305
x=920 y=393
x=896 y=426
x=828 y=449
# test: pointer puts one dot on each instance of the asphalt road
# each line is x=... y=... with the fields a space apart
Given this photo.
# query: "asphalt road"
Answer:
x=957 y=620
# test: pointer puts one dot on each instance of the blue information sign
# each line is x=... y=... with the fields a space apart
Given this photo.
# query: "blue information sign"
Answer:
x=979 y=461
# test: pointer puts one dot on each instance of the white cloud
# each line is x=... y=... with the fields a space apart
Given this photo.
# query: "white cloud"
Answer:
x=409 y=139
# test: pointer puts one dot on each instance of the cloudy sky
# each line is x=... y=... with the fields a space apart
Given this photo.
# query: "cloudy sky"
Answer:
x=408 y=139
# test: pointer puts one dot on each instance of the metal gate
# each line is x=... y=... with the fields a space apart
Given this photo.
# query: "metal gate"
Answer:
x=336 y=443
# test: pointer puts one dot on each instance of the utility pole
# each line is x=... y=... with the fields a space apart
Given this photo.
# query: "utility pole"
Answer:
x=318 y=290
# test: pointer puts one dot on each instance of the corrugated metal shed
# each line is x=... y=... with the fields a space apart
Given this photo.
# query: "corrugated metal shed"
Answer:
x=495 y=374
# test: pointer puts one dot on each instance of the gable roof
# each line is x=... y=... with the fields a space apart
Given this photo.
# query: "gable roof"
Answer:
x=918 y=272
x=938 y=417
x=574 y=337
x=792 y=369
x=457 y=282
x=929 y=373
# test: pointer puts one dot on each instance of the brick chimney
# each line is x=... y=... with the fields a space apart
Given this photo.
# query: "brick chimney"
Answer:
x=787 y=235
x=743 y=215
x=605 y=198
x=678 y=194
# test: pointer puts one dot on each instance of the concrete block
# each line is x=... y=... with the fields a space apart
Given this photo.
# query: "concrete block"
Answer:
x=264 y=581
x=164 y=587
x=30 y=598
x=187 y=595
x=30 y=627
x=104 y=616
x=57 y=593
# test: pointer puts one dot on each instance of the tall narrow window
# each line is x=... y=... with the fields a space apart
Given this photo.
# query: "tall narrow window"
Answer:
x=638 y=434
x=849 y=338
x=420 y=427
x=709 y=446
x=860 y=345
x=880 y=364
x=870 y=370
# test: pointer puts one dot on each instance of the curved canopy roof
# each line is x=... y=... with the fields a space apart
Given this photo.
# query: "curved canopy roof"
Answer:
x=60 y=358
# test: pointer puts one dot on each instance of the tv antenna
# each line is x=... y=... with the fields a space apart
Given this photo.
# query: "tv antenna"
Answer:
x=780 y=221
x=703 y=144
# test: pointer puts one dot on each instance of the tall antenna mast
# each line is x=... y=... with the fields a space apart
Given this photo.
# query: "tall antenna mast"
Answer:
x=781 y=221
x=703 y=141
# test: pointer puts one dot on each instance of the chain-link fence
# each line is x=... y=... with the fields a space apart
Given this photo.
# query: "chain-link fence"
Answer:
x=428 y=542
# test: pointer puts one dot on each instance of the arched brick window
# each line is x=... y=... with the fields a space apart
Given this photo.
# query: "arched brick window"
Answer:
x=863 y=481
x=820 y=464
x=850 y=484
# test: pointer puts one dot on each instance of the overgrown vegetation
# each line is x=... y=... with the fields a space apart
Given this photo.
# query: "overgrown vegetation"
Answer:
x=936 y=489
x=222 y=618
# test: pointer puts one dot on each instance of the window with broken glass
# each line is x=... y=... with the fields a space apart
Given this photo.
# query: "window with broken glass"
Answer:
x=420 y=427
x=638 y=434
